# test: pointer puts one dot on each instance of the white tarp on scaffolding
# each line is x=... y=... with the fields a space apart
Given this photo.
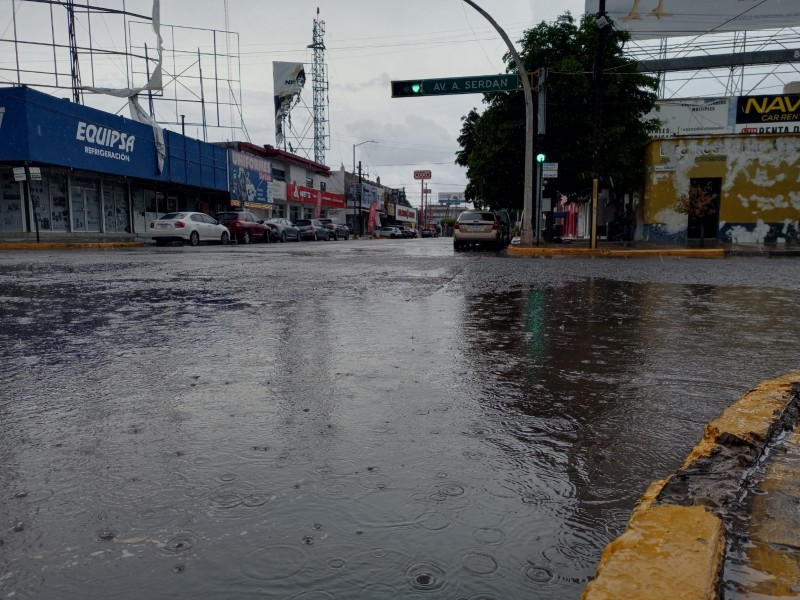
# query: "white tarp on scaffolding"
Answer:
x=675 y=18
x=132 y=94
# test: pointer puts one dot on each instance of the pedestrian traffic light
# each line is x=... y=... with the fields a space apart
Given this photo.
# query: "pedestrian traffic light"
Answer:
x=540 y=158
x=404 y=89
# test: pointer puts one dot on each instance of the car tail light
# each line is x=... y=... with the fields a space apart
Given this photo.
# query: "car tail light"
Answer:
x=179 y=224
x=495 y=226
x=152 y=225
x=457 y=225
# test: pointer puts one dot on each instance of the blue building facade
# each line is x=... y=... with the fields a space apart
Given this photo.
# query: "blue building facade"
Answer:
x=92 y=172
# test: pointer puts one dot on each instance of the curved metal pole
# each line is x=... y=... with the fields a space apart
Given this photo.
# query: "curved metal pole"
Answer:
x=527 y=199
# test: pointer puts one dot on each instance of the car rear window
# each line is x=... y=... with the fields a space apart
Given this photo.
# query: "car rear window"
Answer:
x=303 y=222
x=476 y=216
x=228 y=216
x=172 y=216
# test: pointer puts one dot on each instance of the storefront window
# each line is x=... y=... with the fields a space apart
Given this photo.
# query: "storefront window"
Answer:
x=294 y=213
x=49 y=199
x=137 y=201
x=59 y=210
x=10 y=202
x=308 y=213
x=115 y=205
x=279 y=210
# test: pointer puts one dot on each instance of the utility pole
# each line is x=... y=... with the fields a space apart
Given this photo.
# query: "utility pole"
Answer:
x=359 y=192
x=541 y=130
x=602 y=25
x=527 y=195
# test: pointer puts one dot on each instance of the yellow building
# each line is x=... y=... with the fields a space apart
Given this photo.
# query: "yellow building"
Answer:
x=756 y=179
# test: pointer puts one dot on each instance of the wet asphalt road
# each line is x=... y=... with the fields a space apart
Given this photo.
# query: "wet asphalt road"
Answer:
x=362 y=419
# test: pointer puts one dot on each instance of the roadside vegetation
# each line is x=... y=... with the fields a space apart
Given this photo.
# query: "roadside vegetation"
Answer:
x=493 y=141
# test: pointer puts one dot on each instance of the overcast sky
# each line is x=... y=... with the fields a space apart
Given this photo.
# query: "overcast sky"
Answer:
x=369 y=43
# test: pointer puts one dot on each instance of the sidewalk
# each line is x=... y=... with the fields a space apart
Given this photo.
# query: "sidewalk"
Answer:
x=711 y=249
x=685 y=537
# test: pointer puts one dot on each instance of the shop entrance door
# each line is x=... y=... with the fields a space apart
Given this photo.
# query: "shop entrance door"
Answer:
x=85 y=198
x=706 y=226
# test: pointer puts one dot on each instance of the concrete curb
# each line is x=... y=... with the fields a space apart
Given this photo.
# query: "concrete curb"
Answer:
x=674 y=544
x=621 y=253
x=68 y=245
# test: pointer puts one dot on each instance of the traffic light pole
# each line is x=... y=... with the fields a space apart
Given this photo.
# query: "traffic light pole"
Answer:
x=598 y=116
x=527 y=197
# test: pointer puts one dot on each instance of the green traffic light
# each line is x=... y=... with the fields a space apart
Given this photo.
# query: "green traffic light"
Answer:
x=540 y=158
x=416 y=88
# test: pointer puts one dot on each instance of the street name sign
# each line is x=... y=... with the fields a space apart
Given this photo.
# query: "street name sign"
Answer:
x=478 y=84
x=550 y=170
x=422 y=174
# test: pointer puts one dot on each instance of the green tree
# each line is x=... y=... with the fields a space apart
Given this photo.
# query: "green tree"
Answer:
x=493 y=142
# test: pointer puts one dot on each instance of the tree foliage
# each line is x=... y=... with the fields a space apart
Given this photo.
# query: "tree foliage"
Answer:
x=493 y=142
x=698 y=202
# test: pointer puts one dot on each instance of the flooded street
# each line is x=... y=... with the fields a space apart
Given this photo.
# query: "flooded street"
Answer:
x=363 y=419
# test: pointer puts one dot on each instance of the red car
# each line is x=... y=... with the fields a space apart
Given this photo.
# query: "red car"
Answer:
x=244 y=226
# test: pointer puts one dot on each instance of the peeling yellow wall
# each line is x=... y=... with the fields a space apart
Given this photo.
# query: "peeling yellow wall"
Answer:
x=760 y=177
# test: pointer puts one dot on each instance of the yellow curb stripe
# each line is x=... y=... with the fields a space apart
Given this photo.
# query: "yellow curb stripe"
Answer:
x=666 y=552
x=630 y=253
x=69 y=246
x=750 y=418
x=670 y=551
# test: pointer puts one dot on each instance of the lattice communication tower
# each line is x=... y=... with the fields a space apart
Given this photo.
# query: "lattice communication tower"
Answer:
x=319 y=80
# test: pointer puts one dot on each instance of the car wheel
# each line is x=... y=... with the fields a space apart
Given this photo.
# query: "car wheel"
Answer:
x=194 y=239
x=246 y=237
x=335 y=237
x=160 y=242
x=283 y=236
x=266 y=237
x=346 y=237
x=225 y=238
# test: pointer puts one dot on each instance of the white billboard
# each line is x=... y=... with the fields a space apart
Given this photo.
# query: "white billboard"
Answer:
x=675 y=18
x=695 y=116
x=451 y=198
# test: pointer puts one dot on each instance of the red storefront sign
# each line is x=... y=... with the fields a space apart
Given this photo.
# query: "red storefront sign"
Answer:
x=307 y=195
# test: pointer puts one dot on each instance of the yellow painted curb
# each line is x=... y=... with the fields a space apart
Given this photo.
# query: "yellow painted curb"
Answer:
x=669 y=551
x=666 y=552
x=623 y=253
x=69 y=246
x=750 y=418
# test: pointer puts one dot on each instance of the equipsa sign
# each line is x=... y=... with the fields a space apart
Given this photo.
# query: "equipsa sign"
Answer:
x=422 y=174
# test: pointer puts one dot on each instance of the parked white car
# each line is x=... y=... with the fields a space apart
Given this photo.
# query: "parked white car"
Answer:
x=390 y=232
x=191 y=227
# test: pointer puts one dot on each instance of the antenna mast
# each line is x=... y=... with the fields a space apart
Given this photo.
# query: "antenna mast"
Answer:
x=319 y=81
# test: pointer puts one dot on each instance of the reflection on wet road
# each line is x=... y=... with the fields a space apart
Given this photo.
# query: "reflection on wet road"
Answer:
x=355 y=419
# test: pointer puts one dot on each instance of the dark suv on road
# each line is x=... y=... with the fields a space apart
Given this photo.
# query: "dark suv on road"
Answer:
x=337 y=228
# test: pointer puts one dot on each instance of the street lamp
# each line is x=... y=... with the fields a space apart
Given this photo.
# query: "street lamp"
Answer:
x=527 y=198
x=354 y=151
x=357 y=215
